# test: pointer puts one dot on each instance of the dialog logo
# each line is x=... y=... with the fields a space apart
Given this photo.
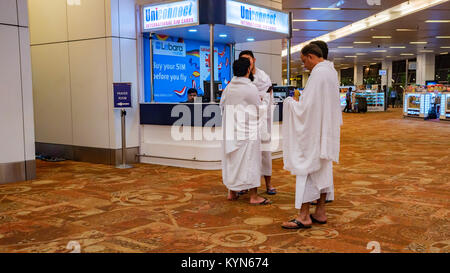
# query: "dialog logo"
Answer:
x=169 y=48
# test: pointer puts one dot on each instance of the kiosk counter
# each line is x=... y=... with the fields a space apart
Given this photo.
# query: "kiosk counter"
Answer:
x=181 y=42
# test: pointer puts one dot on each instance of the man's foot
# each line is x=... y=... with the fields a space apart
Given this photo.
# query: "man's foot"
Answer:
x=297 y=224
x=260 y=201
x=320 y=218
x=232 y=196
x=271 y=191
x=243 y=192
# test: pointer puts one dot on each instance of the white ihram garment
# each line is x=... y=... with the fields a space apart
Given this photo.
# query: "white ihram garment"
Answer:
x=241 y=145
x=311 y=134
x=262 y=82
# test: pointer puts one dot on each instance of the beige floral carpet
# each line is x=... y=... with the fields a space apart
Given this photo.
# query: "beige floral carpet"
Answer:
x=392 y=195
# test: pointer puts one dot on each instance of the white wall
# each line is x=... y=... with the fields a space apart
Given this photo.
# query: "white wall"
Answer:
x=425 y=68
x=78 y=51
x=16 y=101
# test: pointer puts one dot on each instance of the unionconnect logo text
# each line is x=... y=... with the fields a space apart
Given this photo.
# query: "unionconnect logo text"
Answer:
x=257 y=16
x=175 y=12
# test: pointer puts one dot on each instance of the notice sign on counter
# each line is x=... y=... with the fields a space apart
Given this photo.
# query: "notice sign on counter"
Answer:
x=246 y=15
x=170 y=15
x=122 y=95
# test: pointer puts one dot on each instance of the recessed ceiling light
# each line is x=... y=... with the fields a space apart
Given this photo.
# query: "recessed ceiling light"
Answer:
x=380 y=51
x=351 y=56
x=437 y=21
x=426 y=51
x=361 y=54
x=407 y=54
x=418 y=43
x=390 y=56
x=444 y=53
x=405 y=29
x=251 y=39
x=223 y=35
x=381 y=37
x=192 y=30
x=295 y=29
x=345 y=47
x=305 y=20
x=398 y=47
x=443 y=37
x=445 y=46
x=378 y=59
x=362 y=42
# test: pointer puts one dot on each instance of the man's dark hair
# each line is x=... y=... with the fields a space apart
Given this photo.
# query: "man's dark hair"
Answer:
x=323 y=46
x=240 y=67
x=192 y=90
x=312 y=49
x=246 y=52
x=350 y=89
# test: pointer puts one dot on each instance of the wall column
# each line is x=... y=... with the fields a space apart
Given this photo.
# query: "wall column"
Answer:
x=425 y=68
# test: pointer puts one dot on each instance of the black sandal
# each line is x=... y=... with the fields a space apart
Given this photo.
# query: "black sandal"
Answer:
x=314 y=220
x=264 y=202
x=298 y=223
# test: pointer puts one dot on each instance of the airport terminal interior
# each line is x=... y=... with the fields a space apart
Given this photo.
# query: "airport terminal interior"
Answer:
x=103 y=149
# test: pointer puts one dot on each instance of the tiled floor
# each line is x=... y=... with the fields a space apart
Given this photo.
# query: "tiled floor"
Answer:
x=392 y=187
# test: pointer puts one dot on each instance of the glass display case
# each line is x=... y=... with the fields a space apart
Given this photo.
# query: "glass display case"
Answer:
x=375 y=101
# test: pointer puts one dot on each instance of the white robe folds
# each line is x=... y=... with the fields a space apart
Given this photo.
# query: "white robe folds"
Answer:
x=262 y=82
x=311 y=134
x=241 y=145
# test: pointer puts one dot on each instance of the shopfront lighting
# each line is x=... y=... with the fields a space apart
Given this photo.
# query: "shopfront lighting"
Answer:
x=223 y=35
x=250 y=39
x=192 y=30
x=396 y=12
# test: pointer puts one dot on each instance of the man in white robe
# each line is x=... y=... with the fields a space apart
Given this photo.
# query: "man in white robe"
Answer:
x=241 y=161
x=311 y=138
x=263 y=82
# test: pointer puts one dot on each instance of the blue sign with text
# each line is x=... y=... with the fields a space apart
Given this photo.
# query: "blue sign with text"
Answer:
x=122 y=95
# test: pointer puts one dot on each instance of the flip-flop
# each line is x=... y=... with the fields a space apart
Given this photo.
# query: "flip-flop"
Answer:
x=264 y=202
x=298 y=223
x=315 y=202
x=314 y=220
x=271 y=192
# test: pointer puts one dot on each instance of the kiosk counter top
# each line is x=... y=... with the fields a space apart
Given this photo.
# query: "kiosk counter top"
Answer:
x=189 y=114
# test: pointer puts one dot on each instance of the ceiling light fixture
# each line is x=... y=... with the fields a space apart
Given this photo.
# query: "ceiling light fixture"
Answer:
x=362 y=42
x=325 y=8
x=345 y=47
x=407 y=54
x=351 y=56
x=418 y=43
x=380 y=51
x=437 y=21
x=444 y=53
x=396 y=12
x=397 y=47
x=442 y=37
x=381 y=37
x=426 y=51
x=405 y=29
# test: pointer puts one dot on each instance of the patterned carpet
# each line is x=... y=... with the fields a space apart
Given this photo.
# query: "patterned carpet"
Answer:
x=392 y=188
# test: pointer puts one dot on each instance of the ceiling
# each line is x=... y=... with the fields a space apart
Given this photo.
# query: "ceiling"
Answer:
x=354 y=10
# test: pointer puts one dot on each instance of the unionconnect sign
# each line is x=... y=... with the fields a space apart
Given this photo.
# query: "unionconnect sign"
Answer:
x=170 y=14
x=243 y=14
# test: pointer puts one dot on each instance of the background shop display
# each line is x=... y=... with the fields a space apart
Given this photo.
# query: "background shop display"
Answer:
x=426 y=101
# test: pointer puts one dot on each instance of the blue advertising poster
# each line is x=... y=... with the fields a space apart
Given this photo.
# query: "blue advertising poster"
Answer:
x=179 y=65
x=122 y=95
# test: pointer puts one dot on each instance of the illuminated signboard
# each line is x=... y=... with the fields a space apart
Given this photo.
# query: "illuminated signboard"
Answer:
x=246 y=15
x=170 y=15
